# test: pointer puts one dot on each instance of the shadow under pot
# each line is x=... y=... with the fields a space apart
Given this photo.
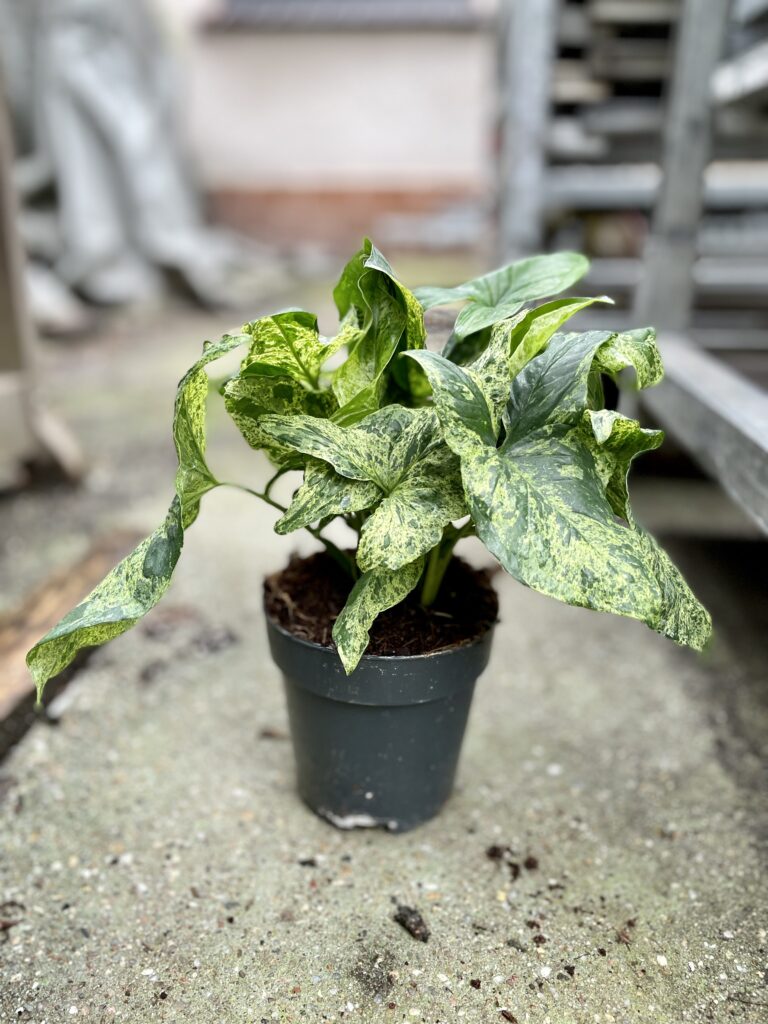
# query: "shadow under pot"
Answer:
x=377 y=748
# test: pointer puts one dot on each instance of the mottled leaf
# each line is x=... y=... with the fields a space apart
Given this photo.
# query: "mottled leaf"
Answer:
x=323 y=494
x=135 y=586
x=461 y=405
x=389 y=319
x=258 y=391
x=545 y=503
x=373 y=593
x=290 y=344
x=503 y=292
x=410 y=520
x=614 y=441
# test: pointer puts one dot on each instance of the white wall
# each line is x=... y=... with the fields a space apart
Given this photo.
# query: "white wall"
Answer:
x=327 y=110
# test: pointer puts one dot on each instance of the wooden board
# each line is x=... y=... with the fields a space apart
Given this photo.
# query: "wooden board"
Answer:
x=720 y=417
x=43 y=609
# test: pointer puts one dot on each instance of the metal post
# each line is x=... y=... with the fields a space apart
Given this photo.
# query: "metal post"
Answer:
x=528 y=30
x=666 y=291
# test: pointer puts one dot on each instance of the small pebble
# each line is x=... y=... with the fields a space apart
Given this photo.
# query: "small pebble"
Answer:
x=661 y=960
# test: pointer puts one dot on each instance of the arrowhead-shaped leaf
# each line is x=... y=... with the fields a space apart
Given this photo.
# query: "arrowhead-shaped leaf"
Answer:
x=289 y=344
x=388 y=319
x=135 y=586
x=258 y=391
x=545 y=504
x=373 y=593
x=410 y=520
x=324 y=494
x=503 y=292
x=400 y=451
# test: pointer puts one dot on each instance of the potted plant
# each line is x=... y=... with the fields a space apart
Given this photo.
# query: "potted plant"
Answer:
x=503 y=435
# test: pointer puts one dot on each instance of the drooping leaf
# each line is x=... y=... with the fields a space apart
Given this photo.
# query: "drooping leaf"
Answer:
x=546 y=506
x=135 y=586
x=460 y=403
x=258 y=391
x=637 y=349
x=290 y=344
x=410 y=520
x=617 y=441
x=503 y=292
x=388 y=318
x=373 y=593
x=323 y=494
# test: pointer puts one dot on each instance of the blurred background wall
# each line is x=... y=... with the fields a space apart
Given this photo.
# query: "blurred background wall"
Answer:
x=310 y=120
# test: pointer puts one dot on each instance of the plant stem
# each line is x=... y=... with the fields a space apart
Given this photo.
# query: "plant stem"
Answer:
x=341 y=557
x=439 y=560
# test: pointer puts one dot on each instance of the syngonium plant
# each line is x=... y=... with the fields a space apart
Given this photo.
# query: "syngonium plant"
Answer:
x=503 y=435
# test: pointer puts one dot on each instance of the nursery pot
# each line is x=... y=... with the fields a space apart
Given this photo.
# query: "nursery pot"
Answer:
x=378 y=747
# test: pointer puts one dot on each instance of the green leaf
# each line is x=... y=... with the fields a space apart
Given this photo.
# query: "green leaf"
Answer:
x=323 y=494
x=461 y=405
x=400 y=452
x=617 y=441
x=503 y=292
x=373 y=593
x=289 y=343
x=258 y=391
x=410 y=520
x=388 y=319
x=135 y=586
x=380 y=448
x=637 y=349
x=545 y=502
x=514 y=342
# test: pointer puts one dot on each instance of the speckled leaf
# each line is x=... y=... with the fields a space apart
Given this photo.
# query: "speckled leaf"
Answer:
x=540 y=505
x=380 y=448
x=389 y=319
x=373 y=593
x=637 y=349
x=323 y=494
x=461 y=406
x=614 y=441
x=135 y=586
x=290 y=344
x=503 y=292
x=410 y=520
x=257 y=391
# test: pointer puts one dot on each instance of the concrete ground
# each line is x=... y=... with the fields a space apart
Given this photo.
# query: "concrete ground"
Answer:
x=159 y=867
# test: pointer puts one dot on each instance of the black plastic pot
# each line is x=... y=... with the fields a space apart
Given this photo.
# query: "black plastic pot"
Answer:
x=378 y=747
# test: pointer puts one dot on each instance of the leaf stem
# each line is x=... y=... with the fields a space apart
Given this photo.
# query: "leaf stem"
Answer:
x=346 y=562
x=439 y=559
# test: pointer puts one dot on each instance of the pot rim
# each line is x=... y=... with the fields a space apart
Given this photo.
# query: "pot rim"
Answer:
x=387 y=658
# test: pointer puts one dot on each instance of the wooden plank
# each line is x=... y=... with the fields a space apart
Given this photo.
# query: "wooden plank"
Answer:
x=745 y=11
x=43 y=609
x=665 y=293
x=728 y=185
x=634 y=12
x=744 y=77
x=527 y=45
x=719 y=417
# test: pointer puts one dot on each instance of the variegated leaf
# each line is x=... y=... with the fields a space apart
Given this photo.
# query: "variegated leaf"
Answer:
x=289 y=344
x=389 y=319
x=410 y=520
x=546 y=507
x=135 y=586
x=503 y=292
x=373 y=593
x=614 y=441
x=256 y=392
x=323 y=494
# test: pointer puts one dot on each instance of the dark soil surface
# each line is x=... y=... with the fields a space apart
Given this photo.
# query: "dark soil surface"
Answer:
x=307 y=596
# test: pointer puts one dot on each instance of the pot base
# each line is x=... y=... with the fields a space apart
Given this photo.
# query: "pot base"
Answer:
x=378 y=748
